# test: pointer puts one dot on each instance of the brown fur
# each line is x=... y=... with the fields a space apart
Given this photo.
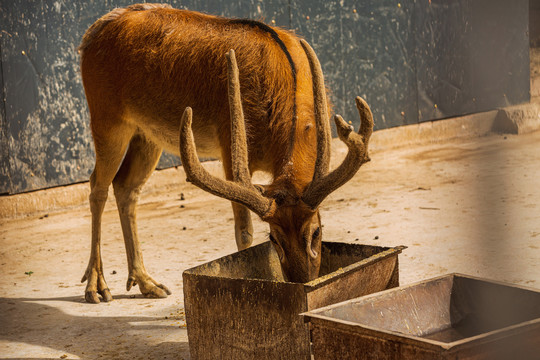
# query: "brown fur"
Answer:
x=143 y=65
x=189 y=48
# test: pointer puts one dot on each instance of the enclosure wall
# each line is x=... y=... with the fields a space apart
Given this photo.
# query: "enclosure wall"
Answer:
x=412 y=60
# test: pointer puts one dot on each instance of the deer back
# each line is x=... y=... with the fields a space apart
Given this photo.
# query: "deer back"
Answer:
x=150 y=62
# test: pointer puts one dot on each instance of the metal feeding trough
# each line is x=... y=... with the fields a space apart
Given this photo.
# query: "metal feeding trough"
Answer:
x=239 y=306
x=450 y=317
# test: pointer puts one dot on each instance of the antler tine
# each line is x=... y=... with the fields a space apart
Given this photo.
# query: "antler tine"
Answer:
x=356 y=157
x=239 y=152
x=322 y=163
x=241 y=190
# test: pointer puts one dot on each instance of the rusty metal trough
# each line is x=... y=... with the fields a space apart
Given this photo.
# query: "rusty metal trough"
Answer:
x=450 y=317
x=239 y=306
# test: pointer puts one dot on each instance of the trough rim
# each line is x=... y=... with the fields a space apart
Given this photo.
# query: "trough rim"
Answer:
x=387 y=252
x=341 y=272
x=447 y=347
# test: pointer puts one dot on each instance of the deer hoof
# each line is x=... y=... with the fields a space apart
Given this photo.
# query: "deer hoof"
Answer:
x=150 y=288
x=106 y=295
x=166 y=289
x=96 y=286
x=157 y=292
x=91 y=297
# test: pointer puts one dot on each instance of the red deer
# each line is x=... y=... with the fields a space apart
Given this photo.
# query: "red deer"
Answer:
x=149 y=70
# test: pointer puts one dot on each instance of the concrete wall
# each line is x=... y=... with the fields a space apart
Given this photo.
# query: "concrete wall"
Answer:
x=534 y=22
x=413 y=61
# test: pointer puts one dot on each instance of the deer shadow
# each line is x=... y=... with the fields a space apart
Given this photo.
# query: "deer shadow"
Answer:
x=31 y=321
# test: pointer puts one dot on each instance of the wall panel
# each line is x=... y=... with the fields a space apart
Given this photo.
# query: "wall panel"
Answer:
x=413 y=61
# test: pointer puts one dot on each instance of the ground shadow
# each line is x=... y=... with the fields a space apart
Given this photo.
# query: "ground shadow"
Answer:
x=31 y=321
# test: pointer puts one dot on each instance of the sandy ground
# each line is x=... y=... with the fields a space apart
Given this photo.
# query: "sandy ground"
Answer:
x=468 y=206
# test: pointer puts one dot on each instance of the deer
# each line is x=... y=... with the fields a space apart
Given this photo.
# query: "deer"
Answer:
x=196 y=85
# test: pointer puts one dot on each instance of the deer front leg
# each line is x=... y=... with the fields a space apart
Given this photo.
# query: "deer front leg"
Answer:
x=139 y=162
x=94 y=272
x=243 y=228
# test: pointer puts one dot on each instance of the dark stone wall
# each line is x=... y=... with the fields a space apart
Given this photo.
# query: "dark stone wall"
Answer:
x=534 y=22
x=472 y=56
x=412 y=60
x=44 y=121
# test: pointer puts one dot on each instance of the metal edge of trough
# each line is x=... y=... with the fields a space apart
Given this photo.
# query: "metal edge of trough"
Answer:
x=427 y=344
x=377 y=333
x=416 y=341
x=341 y=272
x=193 y=276
x=362 y=329
x=314 y=284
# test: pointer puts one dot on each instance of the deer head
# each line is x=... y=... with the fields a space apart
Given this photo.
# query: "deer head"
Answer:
x=290 y=209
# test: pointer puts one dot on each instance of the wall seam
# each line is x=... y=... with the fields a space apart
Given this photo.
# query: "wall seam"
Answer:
x=4 y=129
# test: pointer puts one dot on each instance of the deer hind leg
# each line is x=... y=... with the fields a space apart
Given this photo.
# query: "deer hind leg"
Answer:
x=110 y=147
x=140 y=160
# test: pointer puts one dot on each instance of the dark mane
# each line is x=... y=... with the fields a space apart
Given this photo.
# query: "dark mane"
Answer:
x=275 y=36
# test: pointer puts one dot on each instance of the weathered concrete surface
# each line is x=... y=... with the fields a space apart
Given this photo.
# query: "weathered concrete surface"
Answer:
x=64 y=197
x=465 y=205
x=520 y=119
x=432 y=132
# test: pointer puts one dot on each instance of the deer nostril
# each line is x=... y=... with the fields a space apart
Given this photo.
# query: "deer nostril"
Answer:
x=316 y=234
x=314 y=241
x=277 y=247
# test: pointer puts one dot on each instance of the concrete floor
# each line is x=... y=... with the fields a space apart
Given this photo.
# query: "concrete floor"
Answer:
x=465 y=205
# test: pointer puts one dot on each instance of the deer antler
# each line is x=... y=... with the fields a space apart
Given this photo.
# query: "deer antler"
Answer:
x=240 y=190
x=324 y=183
x=322 y=125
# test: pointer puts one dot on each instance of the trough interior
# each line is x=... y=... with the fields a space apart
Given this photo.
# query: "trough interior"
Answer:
x=447 y=309
x=261 y=262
